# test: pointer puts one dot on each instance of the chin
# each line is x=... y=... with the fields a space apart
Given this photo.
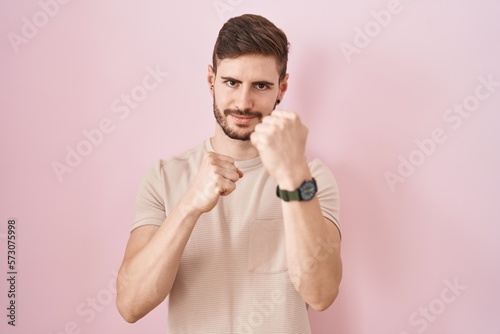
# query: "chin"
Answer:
x=237 y=134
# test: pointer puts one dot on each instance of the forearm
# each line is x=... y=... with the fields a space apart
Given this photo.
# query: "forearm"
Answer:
x=312 y=248
x=313 y=253
x=146 y=277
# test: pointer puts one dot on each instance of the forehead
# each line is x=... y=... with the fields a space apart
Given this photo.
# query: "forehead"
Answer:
x=249 y=68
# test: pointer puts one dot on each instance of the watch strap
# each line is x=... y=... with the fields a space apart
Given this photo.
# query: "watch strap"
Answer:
x=288 y=196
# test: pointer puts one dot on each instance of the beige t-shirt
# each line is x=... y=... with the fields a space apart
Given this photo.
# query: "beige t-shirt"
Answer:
x=233 y=275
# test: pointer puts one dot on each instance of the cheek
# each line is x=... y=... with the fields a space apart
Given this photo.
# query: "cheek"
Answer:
x=267 y=104
x=220 y=101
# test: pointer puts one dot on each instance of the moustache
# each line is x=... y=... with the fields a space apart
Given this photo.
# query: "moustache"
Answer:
x=245 y=113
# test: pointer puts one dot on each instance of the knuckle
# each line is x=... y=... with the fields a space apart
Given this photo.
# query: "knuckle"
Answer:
x=217 y=178
x=214 y=174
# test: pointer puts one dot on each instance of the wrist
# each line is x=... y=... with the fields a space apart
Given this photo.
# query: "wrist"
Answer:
x=188 y=209
x=292 y=179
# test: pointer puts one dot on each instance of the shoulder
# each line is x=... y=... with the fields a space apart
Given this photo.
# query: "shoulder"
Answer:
x=166 y=179
x=192 y=154
x=324 y=177
x=321 y=170
x=165 y=169
x=188 y=160
x=328 y=191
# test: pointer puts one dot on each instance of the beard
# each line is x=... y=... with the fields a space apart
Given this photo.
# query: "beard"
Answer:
x=240 y=131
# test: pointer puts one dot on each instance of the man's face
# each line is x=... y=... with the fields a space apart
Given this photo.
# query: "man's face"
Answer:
x=245 y=89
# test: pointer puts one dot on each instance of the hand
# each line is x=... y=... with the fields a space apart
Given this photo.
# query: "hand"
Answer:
x=281 y=140
x=216 y=177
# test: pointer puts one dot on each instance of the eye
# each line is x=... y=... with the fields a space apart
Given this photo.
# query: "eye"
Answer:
x=261 y=86
x=231 y=83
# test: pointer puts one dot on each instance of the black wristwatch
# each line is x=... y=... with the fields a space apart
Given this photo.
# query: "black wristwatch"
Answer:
x=305 y=192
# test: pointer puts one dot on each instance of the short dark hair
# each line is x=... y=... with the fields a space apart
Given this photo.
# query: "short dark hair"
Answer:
x=251 y=34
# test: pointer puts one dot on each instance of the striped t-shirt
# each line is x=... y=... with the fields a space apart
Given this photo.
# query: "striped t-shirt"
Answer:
x=233 y=275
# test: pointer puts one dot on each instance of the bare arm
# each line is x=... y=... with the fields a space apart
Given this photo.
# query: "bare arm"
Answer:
x=153 y=253
x=150 y=264
x=312 y=241
x=313 y=250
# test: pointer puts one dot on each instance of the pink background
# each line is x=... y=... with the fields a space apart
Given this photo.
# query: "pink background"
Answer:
x=402 y=245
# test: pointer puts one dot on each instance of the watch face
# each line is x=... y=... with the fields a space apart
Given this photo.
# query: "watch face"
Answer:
x=308 y=190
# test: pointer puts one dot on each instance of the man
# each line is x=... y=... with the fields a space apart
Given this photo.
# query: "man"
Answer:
x=241 y=232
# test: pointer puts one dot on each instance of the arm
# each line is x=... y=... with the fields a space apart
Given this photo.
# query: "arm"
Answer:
x=312 y=248
x=150 y=263
x=153 y=253
x=312 y=241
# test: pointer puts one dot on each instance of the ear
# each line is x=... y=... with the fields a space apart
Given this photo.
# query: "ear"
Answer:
x=211 y=78
x=283 y=86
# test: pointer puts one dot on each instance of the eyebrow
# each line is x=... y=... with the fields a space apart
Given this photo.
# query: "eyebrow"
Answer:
x=262 y=82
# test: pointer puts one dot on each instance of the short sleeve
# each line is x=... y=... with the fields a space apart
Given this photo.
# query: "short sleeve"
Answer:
x=150 y=203
x=328 y=192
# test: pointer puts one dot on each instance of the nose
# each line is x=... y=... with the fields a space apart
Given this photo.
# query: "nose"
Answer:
x=243 y=99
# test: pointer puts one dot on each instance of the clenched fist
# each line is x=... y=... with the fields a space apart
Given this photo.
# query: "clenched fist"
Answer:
x=216 y=177
x=281 y=141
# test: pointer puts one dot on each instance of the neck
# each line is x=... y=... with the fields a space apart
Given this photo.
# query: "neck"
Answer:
x=236 y=149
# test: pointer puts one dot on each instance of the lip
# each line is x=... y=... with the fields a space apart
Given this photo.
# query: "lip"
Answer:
x=242 y=119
